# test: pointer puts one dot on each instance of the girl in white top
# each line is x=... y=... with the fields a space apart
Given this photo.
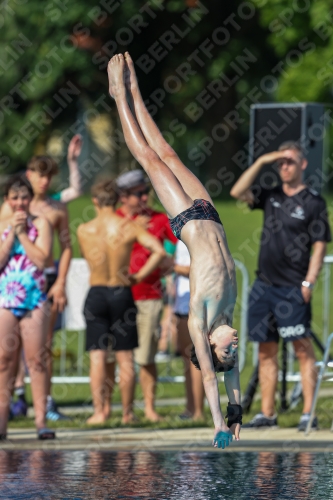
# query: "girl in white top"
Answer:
x=182 y=260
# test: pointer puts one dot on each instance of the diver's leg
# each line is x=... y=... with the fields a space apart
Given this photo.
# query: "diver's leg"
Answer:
x=190 y=183
x=168 y=188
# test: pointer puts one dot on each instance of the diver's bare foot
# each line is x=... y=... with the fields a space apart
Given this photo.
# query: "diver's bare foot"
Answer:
x=116 y=68
x=96 y=418
x=131 y=80
x=153 y=416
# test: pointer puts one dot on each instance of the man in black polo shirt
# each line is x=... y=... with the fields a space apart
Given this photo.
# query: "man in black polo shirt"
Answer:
x=295 y=223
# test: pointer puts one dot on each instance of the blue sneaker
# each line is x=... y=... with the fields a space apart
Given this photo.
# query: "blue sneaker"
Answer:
x=304 y=420
x=52 y=412
x=19 y=408
x=260 y=421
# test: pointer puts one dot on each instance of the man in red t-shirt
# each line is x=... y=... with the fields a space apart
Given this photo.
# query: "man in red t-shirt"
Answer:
x=134 y=191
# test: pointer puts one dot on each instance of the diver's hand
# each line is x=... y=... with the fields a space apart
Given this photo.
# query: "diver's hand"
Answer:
x=222 y=438
x=235 y=430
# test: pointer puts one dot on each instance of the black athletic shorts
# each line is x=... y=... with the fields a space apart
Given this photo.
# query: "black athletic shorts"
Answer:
x=181 y=316
x=277 y=311
x=110 y=315
x=51 y=278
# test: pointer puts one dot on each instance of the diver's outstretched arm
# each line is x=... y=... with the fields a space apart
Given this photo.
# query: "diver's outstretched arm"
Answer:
x=222 y=434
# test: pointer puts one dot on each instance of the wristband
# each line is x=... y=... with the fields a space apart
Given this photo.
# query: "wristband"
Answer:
x=234 y=414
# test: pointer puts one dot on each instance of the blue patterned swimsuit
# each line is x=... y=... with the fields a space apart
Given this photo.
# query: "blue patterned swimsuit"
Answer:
x=22 y=284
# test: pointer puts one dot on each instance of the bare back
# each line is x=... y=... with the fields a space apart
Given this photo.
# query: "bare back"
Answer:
x=93 y=249
x=106 y=243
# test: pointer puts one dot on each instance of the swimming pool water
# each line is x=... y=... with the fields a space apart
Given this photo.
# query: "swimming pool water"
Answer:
x=165 y=475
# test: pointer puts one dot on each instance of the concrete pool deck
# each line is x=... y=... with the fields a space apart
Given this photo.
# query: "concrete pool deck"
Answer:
x=277 y=440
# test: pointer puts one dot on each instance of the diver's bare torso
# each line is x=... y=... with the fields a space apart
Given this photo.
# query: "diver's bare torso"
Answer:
x=212 y=275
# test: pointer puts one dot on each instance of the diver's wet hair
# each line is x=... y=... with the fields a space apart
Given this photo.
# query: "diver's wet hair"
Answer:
x=219 y=366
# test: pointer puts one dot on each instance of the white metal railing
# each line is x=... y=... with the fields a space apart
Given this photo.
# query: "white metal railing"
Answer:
x=244 y=298
x=328 y=261
x=322 y=375
x=72 y=319
x=78 y=285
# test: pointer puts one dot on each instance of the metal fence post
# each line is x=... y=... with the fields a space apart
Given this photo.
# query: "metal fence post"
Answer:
x=244 y=306
x=328 y=261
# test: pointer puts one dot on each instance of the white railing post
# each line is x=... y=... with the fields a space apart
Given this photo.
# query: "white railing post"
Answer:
x=243 y=316
x=328 y=261
x=75 y=323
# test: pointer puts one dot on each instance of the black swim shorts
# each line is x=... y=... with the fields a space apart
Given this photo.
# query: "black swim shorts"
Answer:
x=51 y=278
x=277 y=311
x=200 y=210
x=110 y=315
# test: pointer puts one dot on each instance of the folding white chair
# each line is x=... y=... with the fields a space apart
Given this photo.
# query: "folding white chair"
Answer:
x=77 y=286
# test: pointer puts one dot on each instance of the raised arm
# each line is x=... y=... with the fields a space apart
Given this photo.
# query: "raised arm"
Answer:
x=157 y=253
x=75 y=179
x=241 y=189
x=58 y=290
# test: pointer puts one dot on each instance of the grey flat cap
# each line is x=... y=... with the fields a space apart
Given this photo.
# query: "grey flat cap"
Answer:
x=131 y=179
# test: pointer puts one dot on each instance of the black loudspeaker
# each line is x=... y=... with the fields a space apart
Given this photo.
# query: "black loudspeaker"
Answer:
x=273 y=124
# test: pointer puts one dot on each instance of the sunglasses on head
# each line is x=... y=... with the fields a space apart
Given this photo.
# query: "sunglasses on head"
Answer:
x=141 y=193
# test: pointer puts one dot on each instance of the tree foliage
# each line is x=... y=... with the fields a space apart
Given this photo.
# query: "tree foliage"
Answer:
x=200 y=66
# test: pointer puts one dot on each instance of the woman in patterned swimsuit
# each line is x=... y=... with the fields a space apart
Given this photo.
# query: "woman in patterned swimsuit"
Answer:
x=194 y=220
x=24 y=248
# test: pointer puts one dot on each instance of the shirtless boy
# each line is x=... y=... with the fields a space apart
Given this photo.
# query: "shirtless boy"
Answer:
x=195 y=221
x=40 y=171
x=106 y=243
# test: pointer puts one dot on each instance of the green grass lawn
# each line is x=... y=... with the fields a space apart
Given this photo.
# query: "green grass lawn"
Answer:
x=171 y=419
x=243 y=229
